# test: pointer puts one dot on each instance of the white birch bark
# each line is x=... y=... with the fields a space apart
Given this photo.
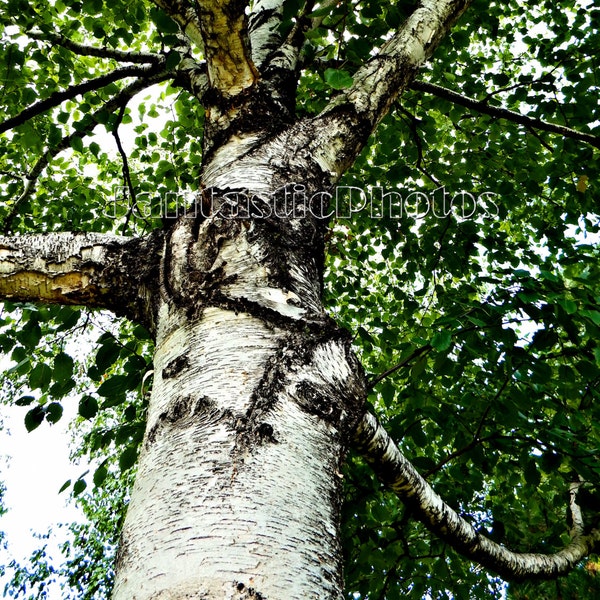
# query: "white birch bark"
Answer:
x=255 y=393
x=346 y=122
x=263 y=31
x=237 y=491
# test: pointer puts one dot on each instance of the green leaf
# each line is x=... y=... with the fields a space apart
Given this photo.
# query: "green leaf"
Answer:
x=63 y=367
x=65 y=486
x=88 y=407
x=594 y=315
x=100 y=475
x=54 y=412
x=24 y=400
x=442 y=340
x=164 y=23
x=128 y=458
x=30 y=334
x=338 y=79
x=77 y=143
x=34 y=418
x=567 y=305
x=531 y=473
x=107 y=354
x=79 y=486
x=40 y=377
x=115 y=386
x=173 y=59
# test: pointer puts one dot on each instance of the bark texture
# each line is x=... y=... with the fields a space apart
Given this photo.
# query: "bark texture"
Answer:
x=97 y=270
x=239 y=478
x=255 y=394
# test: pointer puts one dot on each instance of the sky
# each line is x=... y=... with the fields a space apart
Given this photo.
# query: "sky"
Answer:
x=33 y=467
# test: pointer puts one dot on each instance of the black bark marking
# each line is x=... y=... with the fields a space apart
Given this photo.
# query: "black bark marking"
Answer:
x=264 y=433
x=175 y=366
x=134 y=270
x=247 y=593
x=315 y=402
x=181 y=411
x=253 y=428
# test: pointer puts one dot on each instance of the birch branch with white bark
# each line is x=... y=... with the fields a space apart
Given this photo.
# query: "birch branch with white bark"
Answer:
x=344 y=125
x=398 y=474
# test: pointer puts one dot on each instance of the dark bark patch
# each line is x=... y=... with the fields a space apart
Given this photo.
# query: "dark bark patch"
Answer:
x=315 y=402
x=175 y=366
x=134 y=273
x=181 y=410
x=245 y=592
x=265 y=433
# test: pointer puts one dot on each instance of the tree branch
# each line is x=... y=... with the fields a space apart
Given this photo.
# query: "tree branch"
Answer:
x=185 y=16
x=393 y=468
x=123 y=96
x=263 y=29
x=91 y=269
x=126 y=172
x=224 y=31
x=344 y=125
x=58 y=98
x=503 y=113
x=104 y=52
x=415 y=354
x=220 y=29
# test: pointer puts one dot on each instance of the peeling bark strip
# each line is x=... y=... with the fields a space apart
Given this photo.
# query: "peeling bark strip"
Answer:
x=230 y=69
x=398 y=473
x=97 y=270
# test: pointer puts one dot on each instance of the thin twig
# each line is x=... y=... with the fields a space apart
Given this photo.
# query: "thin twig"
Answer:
x=415 y=354
x=126 y=170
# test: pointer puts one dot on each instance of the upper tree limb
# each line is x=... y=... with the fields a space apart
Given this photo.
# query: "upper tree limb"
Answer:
x=91 y=269
x=345 y=124
x=220 y=27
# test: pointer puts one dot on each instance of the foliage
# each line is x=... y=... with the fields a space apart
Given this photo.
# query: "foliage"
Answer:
x=485 y=308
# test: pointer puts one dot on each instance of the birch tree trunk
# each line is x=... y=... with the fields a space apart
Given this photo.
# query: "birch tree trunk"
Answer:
x=239 y=480
x=255 y=394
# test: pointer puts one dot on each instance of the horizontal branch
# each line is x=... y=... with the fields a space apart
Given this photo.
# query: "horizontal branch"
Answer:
x=396 y=471
x=503 y=113
x=103 y=52
x=58 y=98
x=90 y=269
